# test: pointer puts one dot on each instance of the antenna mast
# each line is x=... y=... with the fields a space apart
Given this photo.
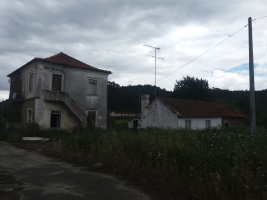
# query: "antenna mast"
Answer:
x=156 y=48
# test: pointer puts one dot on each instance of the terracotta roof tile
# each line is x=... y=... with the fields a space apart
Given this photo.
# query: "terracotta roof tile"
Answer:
x=65 y=59
x=192 y=108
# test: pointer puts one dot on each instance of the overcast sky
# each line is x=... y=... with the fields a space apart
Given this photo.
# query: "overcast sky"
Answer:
x=110 y=34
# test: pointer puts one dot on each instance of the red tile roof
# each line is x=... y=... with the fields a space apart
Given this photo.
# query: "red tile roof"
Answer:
x=63 y=59
x=192 y=108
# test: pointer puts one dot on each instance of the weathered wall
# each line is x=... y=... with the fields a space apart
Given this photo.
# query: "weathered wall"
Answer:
x=158 y=115
x=20 y=82
x=199 y=123
x=233 y=121
x=28 y=104
x=43 y=115
x=25 y=75
x=75 y=83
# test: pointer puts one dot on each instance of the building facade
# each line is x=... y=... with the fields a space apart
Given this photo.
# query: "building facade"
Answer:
x=60 y=92
x=181 y=113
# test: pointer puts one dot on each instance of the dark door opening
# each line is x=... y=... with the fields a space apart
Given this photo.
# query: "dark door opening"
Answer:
x=55 y=118
x=29 y=116
x=135 y=124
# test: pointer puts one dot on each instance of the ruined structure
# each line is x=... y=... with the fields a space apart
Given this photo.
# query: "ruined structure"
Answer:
x=60 y=92
x=189 y=114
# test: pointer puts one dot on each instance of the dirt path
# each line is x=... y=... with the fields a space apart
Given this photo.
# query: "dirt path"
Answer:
x=29 y=175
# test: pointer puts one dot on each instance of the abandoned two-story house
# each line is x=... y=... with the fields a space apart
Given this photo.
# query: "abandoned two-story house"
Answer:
x=182 y=113
x=60 y=92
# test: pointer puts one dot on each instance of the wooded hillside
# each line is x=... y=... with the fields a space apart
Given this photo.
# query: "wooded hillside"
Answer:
x=125 y=98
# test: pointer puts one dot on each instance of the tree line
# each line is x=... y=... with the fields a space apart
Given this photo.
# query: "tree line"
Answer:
x=126 y=98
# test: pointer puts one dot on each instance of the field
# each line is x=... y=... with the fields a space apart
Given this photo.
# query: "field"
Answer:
x=212 y=164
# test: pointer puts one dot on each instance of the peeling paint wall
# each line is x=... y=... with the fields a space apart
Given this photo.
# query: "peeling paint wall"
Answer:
x=20 y=83
x=25 y=76
x=75 y=82
x=158 y=115
x=43 y=115
x=27 y=105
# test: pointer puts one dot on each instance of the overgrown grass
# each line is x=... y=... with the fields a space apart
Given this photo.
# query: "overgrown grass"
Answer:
x=203 y=164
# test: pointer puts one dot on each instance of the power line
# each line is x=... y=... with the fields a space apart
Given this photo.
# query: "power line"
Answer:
x=210 y=49
x=203 y=53
x=259 y=18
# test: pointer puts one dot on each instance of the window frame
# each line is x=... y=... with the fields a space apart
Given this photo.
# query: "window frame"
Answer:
x=59 y=119
x=31 y=82
x=89 y=88
x=29 y=115
x=62 y=81
x=208 y=123
x=186 y=125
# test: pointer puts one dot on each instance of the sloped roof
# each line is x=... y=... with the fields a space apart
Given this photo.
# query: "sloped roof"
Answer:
x=65 y=59
x=192 y=108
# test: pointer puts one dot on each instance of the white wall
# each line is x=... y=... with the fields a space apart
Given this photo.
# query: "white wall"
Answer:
x=158 y=115
x=199 y=123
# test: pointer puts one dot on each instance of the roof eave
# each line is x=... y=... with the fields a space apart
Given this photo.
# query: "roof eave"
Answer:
x=9 y=75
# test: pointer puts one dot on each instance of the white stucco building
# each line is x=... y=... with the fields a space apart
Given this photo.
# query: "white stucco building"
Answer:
x=60 y=92
x=181 y=113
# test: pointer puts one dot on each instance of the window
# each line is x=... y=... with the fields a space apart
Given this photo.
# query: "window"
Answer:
x=57 y=82
x=31 y=82
x=92 y=115
x=92 y=87
x=29 y=116
x=55 y=118
x=208 y=124
x=188 y=124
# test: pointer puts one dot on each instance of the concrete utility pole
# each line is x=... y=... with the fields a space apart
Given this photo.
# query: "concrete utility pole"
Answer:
x=156 y=48
x=251 y=80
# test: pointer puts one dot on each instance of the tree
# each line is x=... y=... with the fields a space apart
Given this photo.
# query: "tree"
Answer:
x=192 y=88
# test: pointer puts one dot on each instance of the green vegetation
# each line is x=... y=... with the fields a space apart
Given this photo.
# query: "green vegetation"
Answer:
x=125 y=98
x=192 y=88
x=203 y=164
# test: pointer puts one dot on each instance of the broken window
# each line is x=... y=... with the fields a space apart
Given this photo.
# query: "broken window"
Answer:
x=92 y=115
x=57 y=82
x=208 y=123
x=31 y=82
x=55 y=118
x=92 y=87
x=29 y=116
x=188 y=124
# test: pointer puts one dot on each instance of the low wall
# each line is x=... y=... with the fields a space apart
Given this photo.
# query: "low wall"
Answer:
x=22 y=126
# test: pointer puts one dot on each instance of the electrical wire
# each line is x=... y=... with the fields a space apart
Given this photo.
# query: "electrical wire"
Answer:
x=209 y=49
x=203 y=53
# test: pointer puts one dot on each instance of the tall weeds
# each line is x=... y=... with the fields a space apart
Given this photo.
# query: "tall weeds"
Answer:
x=203 y=164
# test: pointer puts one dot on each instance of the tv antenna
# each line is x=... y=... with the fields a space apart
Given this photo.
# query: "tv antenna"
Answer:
x=156 y=48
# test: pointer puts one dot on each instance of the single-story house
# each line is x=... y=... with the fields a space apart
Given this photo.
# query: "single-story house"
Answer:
x=190 y=114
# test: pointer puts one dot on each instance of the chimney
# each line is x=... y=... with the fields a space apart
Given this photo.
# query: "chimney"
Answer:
x=144 y=102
